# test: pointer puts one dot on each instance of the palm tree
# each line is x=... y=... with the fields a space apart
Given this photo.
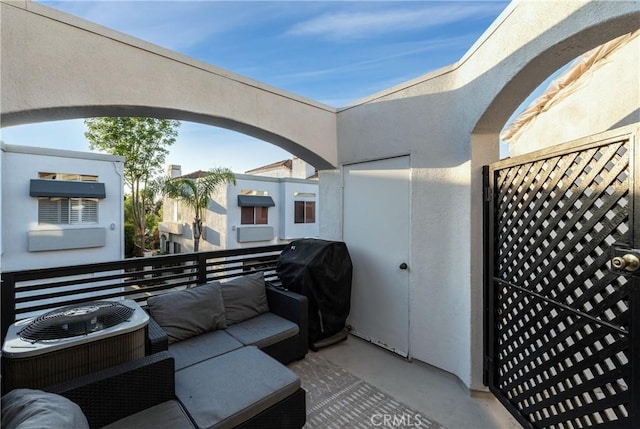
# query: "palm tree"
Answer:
x=196 y=192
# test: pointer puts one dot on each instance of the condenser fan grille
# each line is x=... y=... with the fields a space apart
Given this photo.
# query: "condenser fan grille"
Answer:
x=75 y=320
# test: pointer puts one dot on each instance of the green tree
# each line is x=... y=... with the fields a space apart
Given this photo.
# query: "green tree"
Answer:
x=152 y=218
x=153 y=209
x=129 y=235
x=195 y=193
x=144 y=143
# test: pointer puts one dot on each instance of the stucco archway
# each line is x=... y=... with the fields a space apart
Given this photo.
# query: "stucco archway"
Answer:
x=541 y=64
x=581 y=30
x=56 y=66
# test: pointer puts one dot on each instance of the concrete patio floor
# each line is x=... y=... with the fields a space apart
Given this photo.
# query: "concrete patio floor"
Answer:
x=436 y=393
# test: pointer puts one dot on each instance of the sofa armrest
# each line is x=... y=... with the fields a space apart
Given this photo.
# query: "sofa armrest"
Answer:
x=114 y=393
x=157 y=340
x=291 y=306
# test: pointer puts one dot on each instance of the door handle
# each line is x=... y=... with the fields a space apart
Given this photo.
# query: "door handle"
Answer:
x=624 y=260
x=403 y=266
x=628 y=262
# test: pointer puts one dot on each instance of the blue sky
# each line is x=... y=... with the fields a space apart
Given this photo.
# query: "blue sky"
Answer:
x=334 y=52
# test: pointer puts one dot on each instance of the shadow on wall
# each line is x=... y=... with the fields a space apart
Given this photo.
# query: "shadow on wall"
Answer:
x=631 y=118
x=212 y=236
x=216 y=208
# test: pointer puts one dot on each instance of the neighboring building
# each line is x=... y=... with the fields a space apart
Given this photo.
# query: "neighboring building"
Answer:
x=294 y=167
x=60 y=207
x=598 y=81
x=256 y=211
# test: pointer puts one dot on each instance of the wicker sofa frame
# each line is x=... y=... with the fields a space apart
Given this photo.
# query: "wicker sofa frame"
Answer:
x=117 y=392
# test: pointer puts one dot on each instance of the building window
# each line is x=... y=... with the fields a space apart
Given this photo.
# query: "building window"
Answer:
x=251 y=215
x=254 y=207
x=305 y=212
x=68 y=176
x=61 y=210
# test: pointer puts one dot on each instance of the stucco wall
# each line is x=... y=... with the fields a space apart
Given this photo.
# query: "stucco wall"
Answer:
x=330 y=202
x=425 y=126
x=20 y=211
x=449 y=122
x=130 y=76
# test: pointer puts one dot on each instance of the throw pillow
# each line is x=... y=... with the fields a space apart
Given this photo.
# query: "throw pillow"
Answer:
x=27 y=408
x=244 y=297
x=190 y=312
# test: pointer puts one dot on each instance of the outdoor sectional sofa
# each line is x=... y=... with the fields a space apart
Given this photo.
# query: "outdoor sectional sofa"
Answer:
x=216 y=356
x=217 y=318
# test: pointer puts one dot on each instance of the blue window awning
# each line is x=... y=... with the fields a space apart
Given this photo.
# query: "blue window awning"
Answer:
x=70 y=189
x=255 y=201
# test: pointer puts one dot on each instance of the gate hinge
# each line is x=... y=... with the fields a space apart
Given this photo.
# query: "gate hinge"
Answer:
x=487 y=362
x=486 y=370
x=487 y=194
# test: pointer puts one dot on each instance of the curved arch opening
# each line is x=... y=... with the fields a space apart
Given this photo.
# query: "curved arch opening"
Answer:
x=254 y=134
x=527 y=83
x=198 y=146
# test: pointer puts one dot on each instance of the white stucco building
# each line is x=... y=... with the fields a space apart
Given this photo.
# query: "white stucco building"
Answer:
x=256 y=211
x=60 y=207
x=294 y=167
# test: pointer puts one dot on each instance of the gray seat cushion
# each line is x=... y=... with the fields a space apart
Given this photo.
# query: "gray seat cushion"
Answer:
x=227 y=390
x=202 y=347
x=167 y=415
x=263 y=330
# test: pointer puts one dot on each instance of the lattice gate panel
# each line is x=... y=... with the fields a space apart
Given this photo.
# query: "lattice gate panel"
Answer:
x=561 y=318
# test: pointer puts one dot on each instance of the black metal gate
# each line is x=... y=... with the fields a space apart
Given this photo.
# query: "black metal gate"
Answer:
x=562 y=294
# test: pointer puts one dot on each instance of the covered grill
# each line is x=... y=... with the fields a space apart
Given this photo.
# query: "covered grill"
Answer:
x=321 y=270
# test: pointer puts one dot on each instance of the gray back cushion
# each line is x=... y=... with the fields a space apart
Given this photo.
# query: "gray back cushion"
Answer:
x=244 y=297
x=187 y=313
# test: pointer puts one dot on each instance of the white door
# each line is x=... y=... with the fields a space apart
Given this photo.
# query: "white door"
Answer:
x=376 y=231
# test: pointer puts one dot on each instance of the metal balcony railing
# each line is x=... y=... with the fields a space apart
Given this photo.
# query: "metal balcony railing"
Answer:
x=29 y=292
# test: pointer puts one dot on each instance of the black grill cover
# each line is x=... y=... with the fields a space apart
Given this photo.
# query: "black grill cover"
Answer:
x=320 y=270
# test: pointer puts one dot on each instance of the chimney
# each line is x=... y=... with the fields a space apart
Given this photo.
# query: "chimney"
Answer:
x=174 y=171
x=300 y=169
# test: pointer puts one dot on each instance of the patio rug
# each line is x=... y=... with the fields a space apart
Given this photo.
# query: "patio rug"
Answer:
x=337 y=399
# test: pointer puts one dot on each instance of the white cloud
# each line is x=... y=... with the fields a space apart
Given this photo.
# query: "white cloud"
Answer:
x=388 y=54
x=358 y=24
